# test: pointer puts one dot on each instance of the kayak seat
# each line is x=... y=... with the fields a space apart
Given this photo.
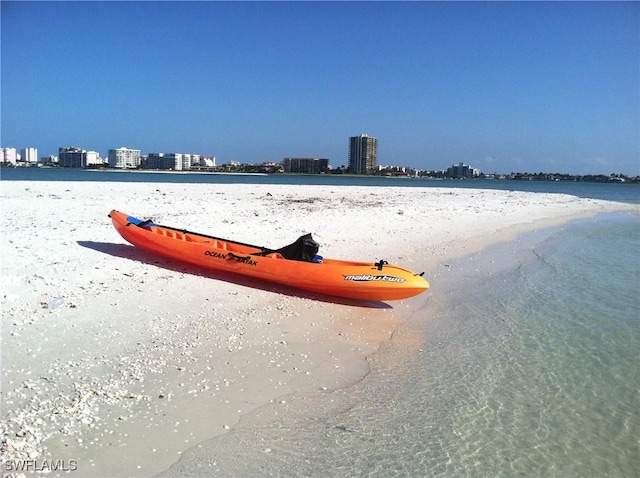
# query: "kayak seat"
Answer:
x=303 y=249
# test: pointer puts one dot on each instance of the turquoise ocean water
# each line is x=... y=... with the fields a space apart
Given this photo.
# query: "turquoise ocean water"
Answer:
x=522 y=360
x=528 y=364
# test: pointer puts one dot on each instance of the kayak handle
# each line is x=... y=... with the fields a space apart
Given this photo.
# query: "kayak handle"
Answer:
x=380 y=264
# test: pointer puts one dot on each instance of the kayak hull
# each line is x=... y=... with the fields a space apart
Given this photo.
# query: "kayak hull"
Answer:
x=353 y=280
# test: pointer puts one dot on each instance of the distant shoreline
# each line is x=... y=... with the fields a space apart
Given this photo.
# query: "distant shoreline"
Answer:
x=519 y=177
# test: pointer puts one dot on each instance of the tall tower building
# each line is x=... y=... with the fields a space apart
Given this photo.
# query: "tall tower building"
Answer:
x=363 y=154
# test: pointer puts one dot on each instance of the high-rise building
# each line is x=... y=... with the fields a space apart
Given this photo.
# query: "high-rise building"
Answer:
x=8 y=156
x=189 y=160
x=30 y=155
x=72 y=157
x=170 y=161
x=124 y=158
x=462 y=170
x=363 y=154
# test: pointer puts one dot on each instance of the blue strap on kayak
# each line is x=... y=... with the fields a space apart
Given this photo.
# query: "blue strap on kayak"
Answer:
x=139 y=222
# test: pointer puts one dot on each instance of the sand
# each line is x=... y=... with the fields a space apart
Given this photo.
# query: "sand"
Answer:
x=114 y=361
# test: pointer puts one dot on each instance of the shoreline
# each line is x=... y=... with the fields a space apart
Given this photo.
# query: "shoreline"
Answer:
x=519 y=177
x=121 y=360
x=398 y=413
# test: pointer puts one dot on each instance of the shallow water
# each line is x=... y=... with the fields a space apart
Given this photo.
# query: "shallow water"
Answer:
x=524 y=360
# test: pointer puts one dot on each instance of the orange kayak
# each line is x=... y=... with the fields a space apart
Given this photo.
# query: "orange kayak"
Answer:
x=296 y=265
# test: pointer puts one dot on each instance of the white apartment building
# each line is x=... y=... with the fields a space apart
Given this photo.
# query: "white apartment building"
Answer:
x=94 y=159
x=124 y=158
x=8 y=155
x=189 y=160
x=30 y=155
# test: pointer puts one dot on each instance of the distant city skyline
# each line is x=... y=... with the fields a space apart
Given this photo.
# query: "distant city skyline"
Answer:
x=503 y=86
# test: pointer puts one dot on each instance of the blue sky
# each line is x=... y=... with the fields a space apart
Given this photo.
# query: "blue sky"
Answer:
x=504 y=86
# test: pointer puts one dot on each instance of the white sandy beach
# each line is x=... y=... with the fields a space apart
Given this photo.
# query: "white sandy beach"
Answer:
x=115 y=361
